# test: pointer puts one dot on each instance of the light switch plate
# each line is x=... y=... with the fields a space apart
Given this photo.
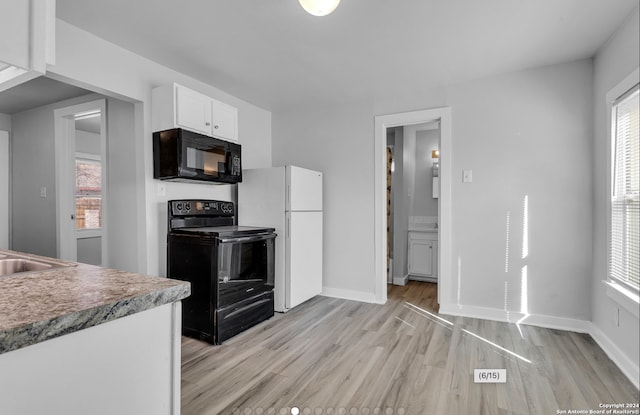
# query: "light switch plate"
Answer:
x=467 y=176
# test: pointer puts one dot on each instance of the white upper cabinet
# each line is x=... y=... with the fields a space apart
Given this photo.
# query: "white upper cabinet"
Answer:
x=27 y=40
x=224 y=120
x=175 y=106
x=192 y=110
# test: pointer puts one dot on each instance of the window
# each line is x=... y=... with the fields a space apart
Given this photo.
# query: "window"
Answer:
x=88 y=194
x=624 y=237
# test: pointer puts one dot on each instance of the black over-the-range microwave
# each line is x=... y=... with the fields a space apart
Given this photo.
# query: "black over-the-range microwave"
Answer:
x=182 y=155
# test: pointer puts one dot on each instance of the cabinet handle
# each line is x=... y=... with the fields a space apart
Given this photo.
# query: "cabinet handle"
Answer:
x=207 y=123
x=216 y=126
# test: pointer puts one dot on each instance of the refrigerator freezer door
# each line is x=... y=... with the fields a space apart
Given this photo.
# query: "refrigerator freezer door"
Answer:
x=304 y=257
x=304 y=189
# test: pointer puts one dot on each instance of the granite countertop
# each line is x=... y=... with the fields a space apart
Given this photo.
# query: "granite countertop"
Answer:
x=41 y=305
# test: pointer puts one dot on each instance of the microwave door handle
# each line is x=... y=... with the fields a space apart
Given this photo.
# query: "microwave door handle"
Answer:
x=245 y=239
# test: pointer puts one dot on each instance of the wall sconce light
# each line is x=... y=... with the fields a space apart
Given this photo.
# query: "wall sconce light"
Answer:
x=435 y=157
x=319 y=7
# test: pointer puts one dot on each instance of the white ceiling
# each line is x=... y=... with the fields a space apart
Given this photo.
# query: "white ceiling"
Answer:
x=275 y=55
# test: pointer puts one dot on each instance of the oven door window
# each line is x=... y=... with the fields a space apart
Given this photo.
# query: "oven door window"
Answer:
x=245 y=268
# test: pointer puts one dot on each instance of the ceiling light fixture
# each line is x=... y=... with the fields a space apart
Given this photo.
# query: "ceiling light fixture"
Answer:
x=319 y=7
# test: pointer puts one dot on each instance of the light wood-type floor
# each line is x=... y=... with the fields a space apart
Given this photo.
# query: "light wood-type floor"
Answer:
x=340 y=357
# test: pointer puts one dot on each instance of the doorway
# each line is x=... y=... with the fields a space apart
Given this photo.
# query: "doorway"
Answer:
x=412 y=202
x=382 y=124
x=81 y=153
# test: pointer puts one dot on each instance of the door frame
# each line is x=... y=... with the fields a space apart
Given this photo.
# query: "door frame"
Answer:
x=5 y=189
x=382 y=122
x=65 y=150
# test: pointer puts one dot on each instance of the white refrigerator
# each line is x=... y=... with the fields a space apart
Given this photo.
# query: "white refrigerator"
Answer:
x=289 y=199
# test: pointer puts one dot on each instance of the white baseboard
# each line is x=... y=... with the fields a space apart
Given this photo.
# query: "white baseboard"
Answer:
x=423 y=279
x=363 y=296
x=401 y=280
x=540 y=320
x=626 y=365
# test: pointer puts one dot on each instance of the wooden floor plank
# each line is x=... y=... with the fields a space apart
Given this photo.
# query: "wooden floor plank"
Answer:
x=333 y=356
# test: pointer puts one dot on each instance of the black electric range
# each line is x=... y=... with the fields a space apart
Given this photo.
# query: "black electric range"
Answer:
x=230 y=268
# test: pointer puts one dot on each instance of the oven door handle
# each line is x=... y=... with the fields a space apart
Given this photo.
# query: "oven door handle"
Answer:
x=245 y=239
x=247 y=307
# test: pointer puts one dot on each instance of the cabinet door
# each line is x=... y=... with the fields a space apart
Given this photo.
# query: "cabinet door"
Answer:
x=193 y=110
x=420 y=257
x=224 y=121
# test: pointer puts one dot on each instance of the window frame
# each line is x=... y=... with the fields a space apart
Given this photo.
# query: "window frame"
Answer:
x=622 y=293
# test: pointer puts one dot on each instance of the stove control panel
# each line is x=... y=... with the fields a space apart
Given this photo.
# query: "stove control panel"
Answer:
x=197 y=207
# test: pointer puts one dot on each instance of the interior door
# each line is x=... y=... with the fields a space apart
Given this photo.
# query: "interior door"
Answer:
x=4 y=189
x=81 y=220
x=304 y=249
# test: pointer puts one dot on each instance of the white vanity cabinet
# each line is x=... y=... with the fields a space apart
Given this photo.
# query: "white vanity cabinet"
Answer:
x=176 y=106
x=423 y=255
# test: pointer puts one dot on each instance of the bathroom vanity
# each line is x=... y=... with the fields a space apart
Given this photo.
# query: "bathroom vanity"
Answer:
x=423 y=254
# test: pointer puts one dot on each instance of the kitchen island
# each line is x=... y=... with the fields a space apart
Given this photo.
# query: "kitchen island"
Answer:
x=82 y=339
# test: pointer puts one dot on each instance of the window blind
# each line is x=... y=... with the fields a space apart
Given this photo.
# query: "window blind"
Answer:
x=624 y=239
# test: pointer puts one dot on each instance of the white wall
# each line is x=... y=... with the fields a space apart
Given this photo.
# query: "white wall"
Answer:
x=524 y=133
x=423 y=202
x=339 y=142
x=122 y=187
x=614 y=61
x=4 y=189
x=525 y=136
x=33 y=217
x=404 y=194
x=409 y=173
x=88 y=61
x=5 y=125
x=5 y=122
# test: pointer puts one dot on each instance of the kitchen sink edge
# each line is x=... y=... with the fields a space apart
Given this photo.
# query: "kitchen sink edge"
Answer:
x=15 y=263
